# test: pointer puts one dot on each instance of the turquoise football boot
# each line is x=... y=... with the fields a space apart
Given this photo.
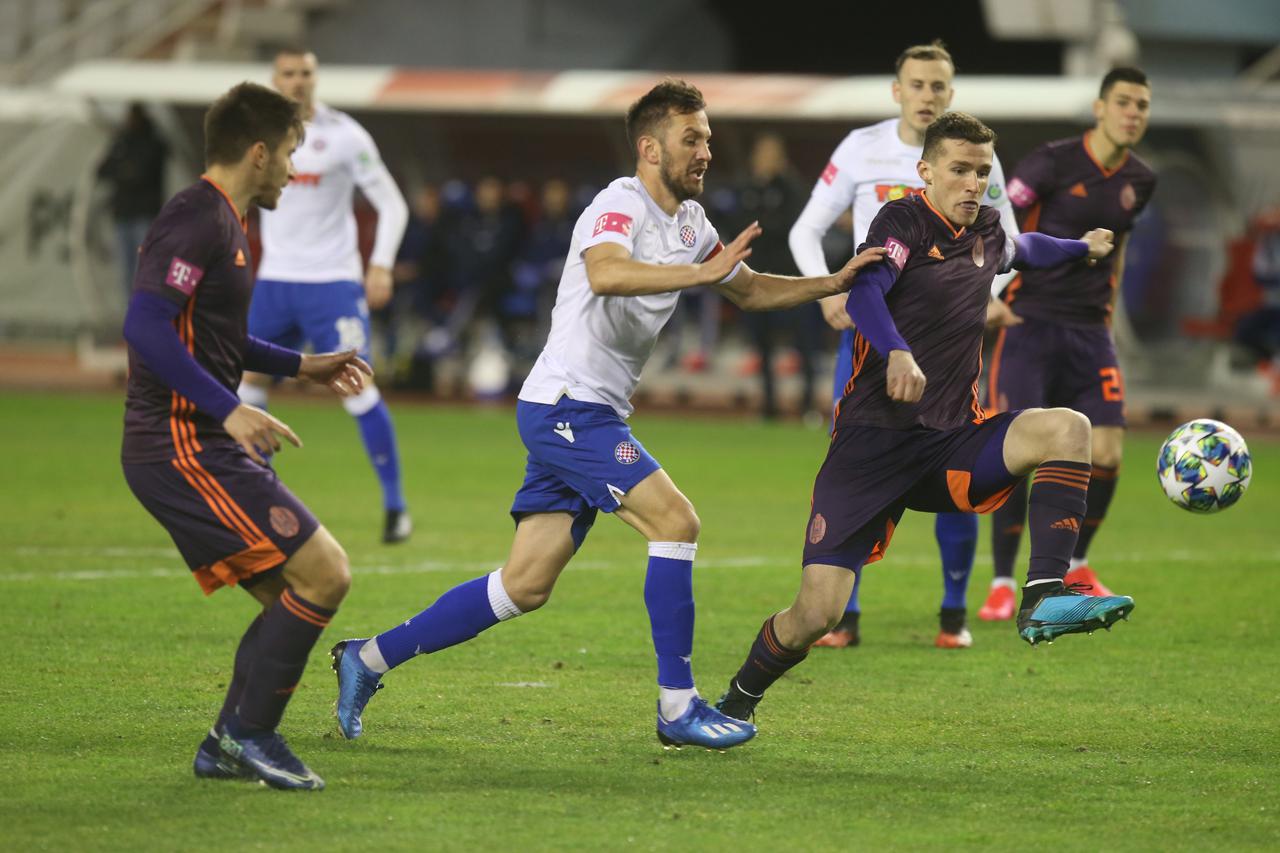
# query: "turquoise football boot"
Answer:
x=1067 y=610
x=356 y=686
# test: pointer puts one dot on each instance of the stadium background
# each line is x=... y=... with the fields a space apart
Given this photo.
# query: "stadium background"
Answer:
x=459 y=91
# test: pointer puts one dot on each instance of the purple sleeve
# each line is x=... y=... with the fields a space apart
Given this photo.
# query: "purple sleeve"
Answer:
x=1036 y=251
x=263 y=357
x=870 y=313
x=148 y=327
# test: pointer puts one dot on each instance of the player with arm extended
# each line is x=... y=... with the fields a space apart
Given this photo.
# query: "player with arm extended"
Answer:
x=872 y=166
x=193 y=454
x=910 y=433
x=1064 y=353
x=640 y=243
x=309 y=282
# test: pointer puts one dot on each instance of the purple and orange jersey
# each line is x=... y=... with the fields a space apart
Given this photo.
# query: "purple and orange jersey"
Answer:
x=939 y=305
x=196 y=254
x=1065 y=193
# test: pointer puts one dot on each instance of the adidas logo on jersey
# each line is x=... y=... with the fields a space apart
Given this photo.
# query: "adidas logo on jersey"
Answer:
x=1079 y=191
x=935 y=254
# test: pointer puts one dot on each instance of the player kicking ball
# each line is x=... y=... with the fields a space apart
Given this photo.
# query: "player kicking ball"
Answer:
x=640 y=242
x=910 y=433
x=193 y=454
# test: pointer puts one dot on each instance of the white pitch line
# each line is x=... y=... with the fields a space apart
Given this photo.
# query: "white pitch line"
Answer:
x=176 y=569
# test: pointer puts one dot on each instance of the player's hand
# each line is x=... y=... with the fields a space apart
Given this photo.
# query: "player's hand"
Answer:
x=255 y=431
x=377 y=287
x=865 y=258
x=1101 y=242
x=715 y=270
x=344 y=372
x=833 y=311
x=904 y=380
x=1000 y=315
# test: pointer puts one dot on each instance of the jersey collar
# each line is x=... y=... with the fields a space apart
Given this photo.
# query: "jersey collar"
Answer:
x=1106 y=173
x=243 y=219
x=955 y=235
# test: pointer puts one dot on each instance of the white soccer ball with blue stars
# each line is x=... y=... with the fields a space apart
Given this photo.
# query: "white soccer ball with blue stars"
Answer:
x=1204 y=466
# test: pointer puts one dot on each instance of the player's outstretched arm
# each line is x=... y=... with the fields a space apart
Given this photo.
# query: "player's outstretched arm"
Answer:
x=344 y=372
x=1034 y=250
x=611 y=271
x=756 y=291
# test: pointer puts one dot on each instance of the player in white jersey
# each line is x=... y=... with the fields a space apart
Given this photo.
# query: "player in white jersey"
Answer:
x=872 y=166
x=309 y=281
x=640 y=242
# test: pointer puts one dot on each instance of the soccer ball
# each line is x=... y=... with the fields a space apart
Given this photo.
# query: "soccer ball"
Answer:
x=1204 y=466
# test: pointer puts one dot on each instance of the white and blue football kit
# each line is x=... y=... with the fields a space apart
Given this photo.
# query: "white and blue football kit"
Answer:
x=582 y=458
x=309 y=287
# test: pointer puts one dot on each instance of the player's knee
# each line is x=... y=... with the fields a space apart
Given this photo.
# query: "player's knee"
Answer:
x=1070 y=434
x=680 y=524
x=528 y=594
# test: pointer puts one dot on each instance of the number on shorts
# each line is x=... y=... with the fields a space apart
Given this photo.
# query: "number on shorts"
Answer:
x=1112 y=385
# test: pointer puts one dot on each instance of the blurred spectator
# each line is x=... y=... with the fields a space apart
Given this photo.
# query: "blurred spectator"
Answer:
x=134 y=169
x=420 y=272
x=482 y=243
x=774 y=196
x=537 y=269
x=1258 y=331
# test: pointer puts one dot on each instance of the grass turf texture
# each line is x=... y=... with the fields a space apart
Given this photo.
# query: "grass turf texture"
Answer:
x=539 y=734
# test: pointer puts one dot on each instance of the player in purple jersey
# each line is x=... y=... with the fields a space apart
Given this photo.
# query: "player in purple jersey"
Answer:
x=910 y=433
x=1063 y=354
x=193 y=453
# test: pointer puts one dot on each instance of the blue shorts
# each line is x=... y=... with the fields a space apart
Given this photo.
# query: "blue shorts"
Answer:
x=582 y=458
x=331 y=315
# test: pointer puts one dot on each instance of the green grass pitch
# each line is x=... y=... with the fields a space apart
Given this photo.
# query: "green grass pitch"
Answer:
x=1163 y=734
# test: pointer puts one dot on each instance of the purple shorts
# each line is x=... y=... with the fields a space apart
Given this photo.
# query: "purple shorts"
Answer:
x=1038 y=364
x=230 y=517
x=872 y=475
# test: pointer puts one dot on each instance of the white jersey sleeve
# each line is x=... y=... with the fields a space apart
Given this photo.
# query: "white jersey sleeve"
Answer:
x=615 y=216
x=998 y=195
x=370 y=174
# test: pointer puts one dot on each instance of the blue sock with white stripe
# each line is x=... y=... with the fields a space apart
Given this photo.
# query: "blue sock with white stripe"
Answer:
x=668 y=596
x=379 y=435
x=957 y=534
x=455 y=617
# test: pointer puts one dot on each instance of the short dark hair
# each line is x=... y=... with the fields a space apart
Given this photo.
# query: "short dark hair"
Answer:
x=1123 y=74
x=248 y=113
x=657 y=105
x=956 y=125
x=930 y=52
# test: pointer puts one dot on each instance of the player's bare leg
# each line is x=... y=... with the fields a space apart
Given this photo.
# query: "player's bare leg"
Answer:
x=785 y=637
x=1108 y=447
x=543 y=545
x=1056 y=444
x=666 y=519
x=298 y=605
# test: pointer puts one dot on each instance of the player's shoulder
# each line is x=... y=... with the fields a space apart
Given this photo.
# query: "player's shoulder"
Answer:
x=905 y=215
x=1139 y=168
x=987 y=221
x=861 y=142
x=627 y=192
x=200 y=204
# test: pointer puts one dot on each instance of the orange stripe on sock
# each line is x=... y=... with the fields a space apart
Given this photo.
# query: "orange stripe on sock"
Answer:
x=1056 y=469
x=1058 y=482
x=303 y=612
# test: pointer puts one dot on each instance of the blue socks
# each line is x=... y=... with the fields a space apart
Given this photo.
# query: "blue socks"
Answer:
x=957 y=534
x=457 y=616
x=853 y=606
x=380 y=443
x=668 y=596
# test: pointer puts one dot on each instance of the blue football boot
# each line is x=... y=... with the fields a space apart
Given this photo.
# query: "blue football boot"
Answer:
x=356 y=686
x=1067 y=610
x=210 y=763
x=702 y=725
x=267 y=758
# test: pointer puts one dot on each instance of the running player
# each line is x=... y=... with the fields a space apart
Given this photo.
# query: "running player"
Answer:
x=640 y=243
x=309 y=279
x=1064 y=354
x=872 y=166
x=910 y=433
x=193 y=453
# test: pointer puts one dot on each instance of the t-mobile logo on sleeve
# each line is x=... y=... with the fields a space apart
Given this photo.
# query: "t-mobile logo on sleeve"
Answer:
x=1021 y=194
x=619 y=223
x=183 y=275
x=897 y=252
